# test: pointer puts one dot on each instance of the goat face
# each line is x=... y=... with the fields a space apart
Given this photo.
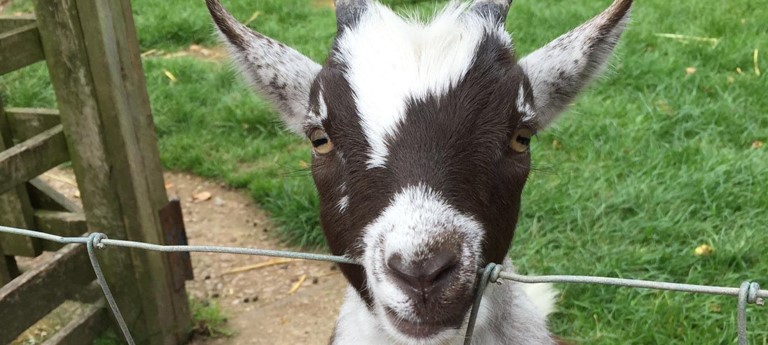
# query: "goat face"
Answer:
x=420 y=135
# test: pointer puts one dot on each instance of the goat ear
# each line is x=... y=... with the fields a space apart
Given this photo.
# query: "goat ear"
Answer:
x=495 y=10
x=562 y=68
x=348 y=12
x=281 y=74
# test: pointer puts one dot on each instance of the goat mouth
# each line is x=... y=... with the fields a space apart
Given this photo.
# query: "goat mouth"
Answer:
x=418 y=329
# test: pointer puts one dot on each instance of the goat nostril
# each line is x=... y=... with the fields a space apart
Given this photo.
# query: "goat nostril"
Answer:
x=399 y=268
x=424 y=274
x=440 y=266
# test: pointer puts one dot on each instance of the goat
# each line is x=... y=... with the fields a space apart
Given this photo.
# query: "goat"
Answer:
x=420 y=135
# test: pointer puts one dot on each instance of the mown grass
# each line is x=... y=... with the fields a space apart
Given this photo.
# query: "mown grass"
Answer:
x=649 y=164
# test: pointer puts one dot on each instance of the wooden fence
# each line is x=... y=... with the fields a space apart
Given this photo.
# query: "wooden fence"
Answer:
x=104 y=127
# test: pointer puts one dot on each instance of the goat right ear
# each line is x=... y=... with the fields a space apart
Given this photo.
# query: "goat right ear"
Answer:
x=281 y=74
x=560 y=70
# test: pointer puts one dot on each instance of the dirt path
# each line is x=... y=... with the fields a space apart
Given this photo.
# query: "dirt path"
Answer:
x=258 y=303
x=260 y=306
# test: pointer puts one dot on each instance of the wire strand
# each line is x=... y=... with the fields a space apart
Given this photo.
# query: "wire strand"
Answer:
x=748 y=293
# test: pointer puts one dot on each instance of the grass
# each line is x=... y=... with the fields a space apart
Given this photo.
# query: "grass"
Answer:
x=109 y=337
x=649 y=164
x=207 y=319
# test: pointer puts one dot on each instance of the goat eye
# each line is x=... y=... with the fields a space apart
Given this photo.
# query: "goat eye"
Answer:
x=320 y=141
x=521 y=140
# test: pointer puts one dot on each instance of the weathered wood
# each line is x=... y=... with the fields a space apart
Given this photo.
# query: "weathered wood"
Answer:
x=12 y=265
x=25 y=123
x=66 y=224
x=147 y=187
x=44 y=197
x=8 y=23
x=91 y=293
x=63 y=43
x=84 y=329
x=36 y=292
x=175 y=233
x=104 y=110
x=15 y=207
x=5 y=273
x=32 y=157
x=19 y=48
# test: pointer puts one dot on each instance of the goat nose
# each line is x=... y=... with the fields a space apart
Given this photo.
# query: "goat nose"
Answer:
x=424 y=275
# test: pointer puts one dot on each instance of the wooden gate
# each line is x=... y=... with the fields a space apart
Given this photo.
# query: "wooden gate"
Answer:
x=104 y=126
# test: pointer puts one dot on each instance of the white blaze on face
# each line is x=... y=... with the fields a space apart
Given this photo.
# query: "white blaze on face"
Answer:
x=523 y=107
x=343 y=204
x=417 y=219
x=391 y=60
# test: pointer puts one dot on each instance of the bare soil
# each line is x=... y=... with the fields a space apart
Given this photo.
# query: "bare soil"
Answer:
x=293 y=302
x=260 y=303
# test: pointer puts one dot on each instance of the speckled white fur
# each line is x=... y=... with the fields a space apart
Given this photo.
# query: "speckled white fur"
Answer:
x=417 y=218
x=561 y=69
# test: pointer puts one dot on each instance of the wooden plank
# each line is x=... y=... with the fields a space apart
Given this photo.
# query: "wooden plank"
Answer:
x=25 y=123
x=19 y=48
x=5 y=273
x=175 y=233
x=95 y=83
x=12 y=265
x=32 y=157
x=44 y=197
x=66 y=224
x=14 y=212
x=83 y=329
x=91 y=293
x=15 y=207
x=36 y=292
x=8 y=22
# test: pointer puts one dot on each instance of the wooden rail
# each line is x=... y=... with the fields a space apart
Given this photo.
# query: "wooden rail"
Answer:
x=25 y=123
x=15 y=207
x=42 y=289
x=20 y=46
x=8 y=22
x=32 y=157
x=80 y=330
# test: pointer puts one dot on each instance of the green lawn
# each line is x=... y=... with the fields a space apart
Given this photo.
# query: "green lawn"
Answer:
x=651 y=163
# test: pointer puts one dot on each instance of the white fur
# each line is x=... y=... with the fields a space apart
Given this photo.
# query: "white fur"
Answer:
x=417 y=218
x=343 y=203
x=543 y=297
x=523 y=106
x=391 y=60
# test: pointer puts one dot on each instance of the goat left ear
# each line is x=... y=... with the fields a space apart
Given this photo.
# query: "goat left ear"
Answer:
x=562 y=68
x=281 y=74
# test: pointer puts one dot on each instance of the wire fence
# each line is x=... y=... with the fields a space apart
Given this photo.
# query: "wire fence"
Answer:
x=748 y=293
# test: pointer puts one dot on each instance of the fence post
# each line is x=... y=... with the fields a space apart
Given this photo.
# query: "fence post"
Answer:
x=94 y=62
